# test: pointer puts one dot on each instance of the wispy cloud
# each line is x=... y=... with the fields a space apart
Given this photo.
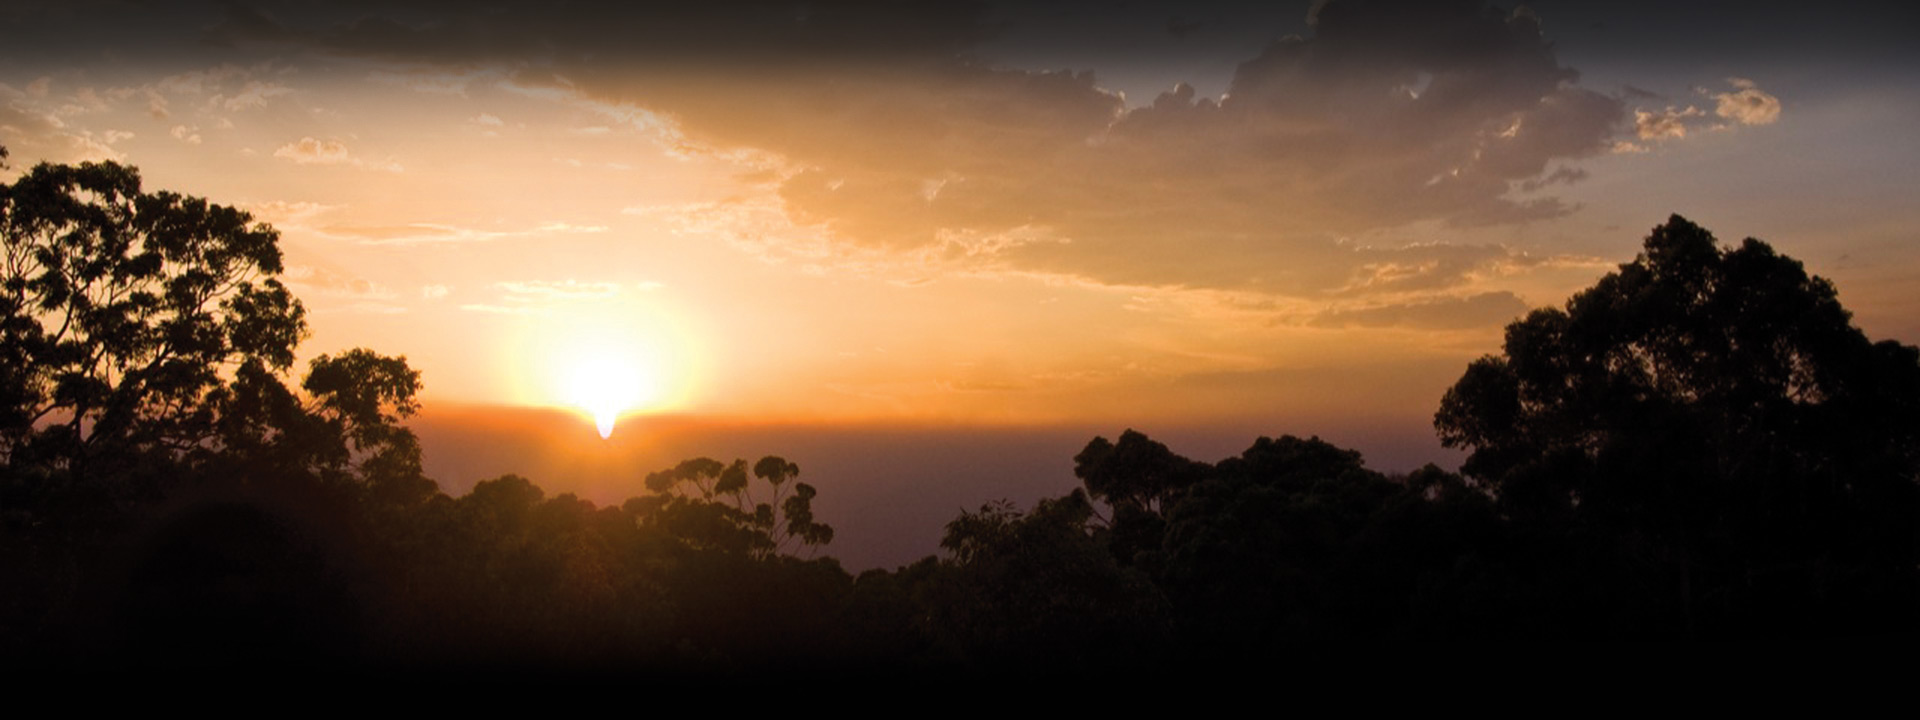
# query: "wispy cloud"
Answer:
x=1483 y=310
x=254 y=94
x=336 y=291
x=311 y=151
x=525 y=297
x=427 y=233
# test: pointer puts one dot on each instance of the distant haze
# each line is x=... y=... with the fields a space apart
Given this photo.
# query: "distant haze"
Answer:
x=887 y=490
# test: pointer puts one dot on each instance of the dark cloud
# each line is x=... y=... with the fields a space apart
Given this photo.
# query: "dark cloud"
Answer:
x=892 y=135
x=1394 y=113
x=736 y=35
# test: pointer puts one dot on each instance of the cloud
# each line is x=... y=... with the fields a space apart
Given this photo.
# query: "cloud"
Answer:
x=1670 y=123
x=310 y=151
x=427 y=233
x=252 y=95
x=877 y=142
x=284 y=213
x=559 y=290
x=341 y=292
x=33 y=135
x=335 y=283
x=532 y=297
x=1311 y=143
x=1747 y=104
x=1483 y=310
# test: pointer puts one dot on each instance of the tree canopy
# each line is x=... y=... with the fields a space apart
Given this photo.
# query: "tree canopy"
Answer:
x=121 y=309
x=1715 y=402
x=144 y=332
x=714 y=506
x=1700 y=445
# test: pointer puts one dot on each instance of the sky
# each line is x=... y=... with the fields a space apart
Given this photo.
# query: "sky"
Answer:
x=927 y=250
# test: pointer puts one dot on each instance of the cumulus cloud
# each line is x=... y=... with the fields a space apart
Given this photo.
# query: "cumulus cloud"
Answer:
x=1379 y=121
x=1747 y=104
x=1670 y=123
x=875 y=140
x=311 y=151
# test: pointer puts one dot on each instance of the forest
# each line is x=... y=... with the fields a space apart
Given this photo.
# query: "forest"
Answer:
x=1699 y=447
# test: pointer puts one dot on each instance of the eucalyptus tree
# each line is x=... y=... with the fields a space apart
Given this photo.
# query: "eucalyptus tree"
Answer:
x=145 y=331
x=1714 y=410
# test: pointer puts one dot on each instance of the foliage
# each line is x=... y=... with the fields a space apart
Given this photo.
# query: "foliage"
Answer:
x=713 y=505
x=122 y=309
x=1713 y=412
x=1137 y=471
x=1037 y=592
x=148 y=330
x=1701 y=444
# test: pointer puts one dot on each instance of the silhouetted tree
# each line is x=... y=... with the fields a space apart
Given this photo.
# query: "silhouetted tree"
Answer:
x=143 y=329
x=1139 y=479
x=1037 y=593
x=1711 y=414
x=713 y=505
x=144 y=345
x=121 y=309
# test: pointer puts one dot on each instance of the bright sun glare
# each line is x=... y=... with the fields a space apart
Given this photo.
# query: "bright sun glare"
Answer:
x=610 y=364
x=606 y=385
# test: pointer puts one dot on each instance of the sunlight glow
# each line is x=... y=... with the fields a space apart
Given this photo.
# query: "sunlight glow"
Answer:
x=605 y=384
x=606 y=361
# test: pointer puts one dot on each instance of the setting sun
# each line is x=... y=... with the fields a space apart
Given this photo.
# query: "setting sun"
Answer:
x=607 y=385
x=1151 y=338
x=604 y=358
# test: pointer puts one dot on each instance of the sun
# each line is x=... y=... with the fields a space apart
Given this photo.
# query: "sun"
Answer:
x=606 y=384
x=606 y=363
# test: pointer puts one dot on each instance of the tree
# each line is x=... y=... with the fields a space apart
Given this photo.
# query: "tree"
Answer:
x=726 y=515
x=1714 y=412
x=142 y=330
x=1038 y=593
x=145 y=342
x=121 y=308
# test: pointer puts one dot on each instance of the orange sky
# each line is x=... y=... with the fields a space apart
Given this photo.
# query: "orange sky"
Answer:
x=931 y=217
